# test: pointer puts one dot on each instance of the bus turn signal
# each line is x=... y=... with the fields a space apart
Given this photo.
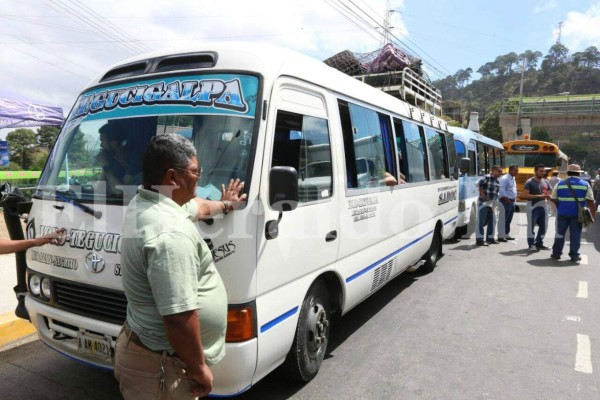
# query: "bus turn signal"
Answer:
x=240 y=325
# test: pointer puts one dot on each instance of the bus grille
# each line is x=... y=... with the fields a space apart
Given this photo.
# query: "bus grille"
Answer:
x=91 y=301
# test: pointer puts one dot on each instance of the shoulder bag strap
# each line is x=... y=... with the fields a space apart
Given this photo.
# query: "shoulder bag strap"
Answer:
x=573 y=192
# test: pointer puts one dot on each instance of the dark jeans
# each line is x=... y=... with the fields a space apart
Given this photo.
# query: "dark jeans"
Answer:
x=505 y=218
x=564 y=222
x=536 y=216
x=485 y=217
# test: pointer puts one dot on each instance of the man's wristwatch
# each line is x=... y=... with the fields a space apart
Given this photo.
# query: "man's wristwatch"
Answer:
x=226 y=206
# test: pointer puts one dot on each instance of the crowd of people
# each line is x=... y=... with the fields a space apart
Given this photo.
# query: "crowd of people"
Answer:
x=565 y=198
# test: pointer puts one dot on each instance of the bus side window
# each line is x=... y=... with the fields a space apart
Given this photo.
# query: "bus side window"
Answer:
x=365 y=136
x=451 y=154
x=401 y=150
x=302 y=142
x=416 y=159
x=437 y=154
x=473 y=157
x=482 y=155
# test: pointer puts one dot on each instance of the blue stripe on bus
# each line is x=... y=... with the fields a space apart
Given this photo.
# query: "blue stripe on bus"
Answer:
x=447 y=222
x=279 y=319
x=376 y=263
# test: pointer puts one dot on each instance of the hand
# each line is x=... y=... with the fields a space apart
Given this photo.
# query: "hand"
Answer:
x=232 y=193
x=53 y=237
x=203 y=377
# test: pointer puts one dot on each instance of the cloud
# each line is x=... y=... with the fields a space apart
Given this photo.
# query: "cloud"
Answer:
x=549 y=5
x=581 y=30
x=50 y=56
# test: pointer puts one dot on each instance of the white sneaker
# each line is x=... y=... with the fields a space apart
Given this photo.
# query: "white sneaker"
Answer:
x=532 y=248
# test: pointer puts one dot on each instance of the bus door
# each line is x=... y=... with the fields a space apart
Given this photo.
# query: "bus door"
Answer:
x=307 y=238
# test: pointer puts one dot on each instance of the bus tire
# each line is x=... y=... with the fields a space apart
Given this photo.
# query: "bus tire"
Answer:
x=459 y=232
x=312 y=334
x=433 y=254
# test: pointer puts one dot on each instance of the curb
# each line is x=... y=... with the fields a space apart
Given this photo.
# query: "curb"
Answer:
x=14 y=331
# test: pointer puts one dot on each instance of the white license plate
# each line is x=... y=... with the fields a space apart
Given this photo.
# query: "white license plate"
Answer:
x=94 y=345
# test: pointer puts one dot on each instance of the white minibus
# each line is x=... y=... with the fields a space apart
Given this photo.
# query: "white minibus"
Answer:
x=483 y=153
x=322 y=228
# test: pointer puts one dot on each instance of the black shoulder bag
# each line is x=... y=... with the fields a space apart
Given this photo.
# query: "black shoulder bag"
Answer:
x=584 y=215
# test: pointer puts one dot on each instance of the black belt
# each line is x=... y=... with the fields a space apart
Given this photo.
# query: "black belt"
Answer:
x=133 y=337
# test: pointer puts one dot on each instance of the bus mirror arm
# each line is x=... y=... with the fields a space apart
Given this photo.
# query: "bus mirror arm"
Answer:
x=465 y=165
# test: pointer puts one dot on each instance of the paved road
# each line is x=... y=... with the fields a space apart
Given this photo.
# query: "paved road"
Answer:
x=488 y=323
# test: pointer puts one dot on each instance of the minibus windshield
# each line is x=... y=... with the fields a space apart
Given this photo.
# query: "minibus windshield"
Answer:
x=98 y=157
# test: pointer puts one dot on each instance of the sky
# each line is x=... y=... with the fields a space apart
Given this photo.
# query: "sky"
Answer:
x=51 y=49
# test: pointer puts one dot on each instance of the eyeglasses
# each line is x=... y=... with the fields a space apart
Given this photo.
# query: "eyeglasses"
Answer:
x=196 y=172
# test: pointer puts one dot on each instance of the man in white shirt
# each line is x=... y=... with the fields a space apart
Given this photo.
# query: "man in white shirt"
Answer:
x=508 y=196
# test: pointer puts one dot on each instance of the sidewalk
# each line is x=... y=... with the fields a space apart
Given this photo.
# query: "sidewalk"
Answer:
x=13 y=330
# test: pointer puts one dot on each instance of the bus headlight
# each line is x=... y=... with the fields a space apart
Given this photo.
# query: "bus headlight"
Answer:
x=35 y=286
x=46 y=288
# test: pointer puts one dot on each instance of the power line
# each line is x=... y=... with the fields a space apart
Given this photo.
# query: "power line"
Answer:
x=115 y=27
x=351 y=20
x=401 y=42
x=79 y=19
x=52 y=54
x=47 y=62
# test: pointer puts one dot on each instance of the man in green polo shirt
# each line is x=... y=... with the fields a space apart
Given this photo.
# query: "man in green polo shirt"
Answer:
x=177 y=304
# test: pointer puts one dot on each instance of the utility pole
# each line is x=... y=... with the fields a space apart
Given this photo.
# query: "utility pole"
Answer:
x=519 y=131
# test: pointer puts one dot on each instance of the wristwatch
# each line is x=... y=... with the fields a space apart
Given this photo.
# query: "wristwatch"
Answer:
x=227 y=206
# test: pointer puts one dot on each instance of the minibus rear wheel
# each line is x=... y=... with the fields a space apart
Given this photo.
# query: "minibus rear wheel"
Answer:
x=312 y=334
x=434 y=253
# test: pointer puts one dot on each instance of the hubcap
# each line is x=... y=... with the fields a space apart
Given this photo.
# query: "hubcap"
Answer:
x=317 y=324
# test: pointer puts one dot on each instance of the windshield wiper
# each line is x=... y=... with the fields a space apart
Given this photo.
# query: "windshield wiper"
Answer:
x=88 y=210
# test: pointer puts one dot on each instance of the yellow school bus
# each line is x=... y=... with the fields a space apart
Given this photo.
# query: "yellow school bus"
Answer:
x=529 y=153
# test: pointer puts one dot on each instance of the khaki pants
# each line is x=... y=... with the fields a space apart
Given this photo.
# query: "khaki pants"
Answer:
x=144 y=374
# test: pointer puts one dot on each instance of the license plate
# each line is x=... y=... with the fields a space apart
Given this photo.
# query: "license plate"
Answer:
x=94 y=345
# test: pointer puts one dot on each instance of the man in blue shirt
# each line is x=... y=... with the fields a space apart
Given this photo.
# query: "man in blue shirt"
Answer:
x=488 y=198
x=508 y=196
x=567 y=211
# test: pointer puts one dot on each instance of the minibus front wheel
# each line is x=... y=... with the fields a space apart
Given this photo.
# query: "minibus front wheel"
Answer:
x=312 y=334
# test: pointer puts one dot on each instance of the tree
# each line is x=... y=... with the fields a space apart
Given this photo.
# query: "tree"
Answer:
x=490 y=127
x=486 y=69
x=38 y=158
x=46 y=135
x=21 y=142
x=540 y=133
x=576 y=151
x=558 y=54
x=462 y=76
x=511 y=59
x=589 y=58
x=531 y=59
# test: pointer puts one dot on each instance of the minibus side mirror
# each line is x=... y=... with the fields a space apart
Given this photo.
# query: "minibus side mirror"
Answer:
x=283 y=188
x=283 y=196
x=465 y=165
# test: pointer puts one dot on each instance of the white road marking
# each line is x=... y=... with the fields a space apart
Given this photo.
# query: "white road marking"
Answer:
x=582 y=293
x=583 y=358
x=573 y=318
x=584 y=260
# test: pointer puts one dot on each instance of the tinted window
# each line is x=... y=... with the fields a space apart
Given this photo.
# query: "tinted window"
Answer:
x=367 y=146
x=416 y=160
x=452 y=158
x=437 y=154
x=302 y=142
